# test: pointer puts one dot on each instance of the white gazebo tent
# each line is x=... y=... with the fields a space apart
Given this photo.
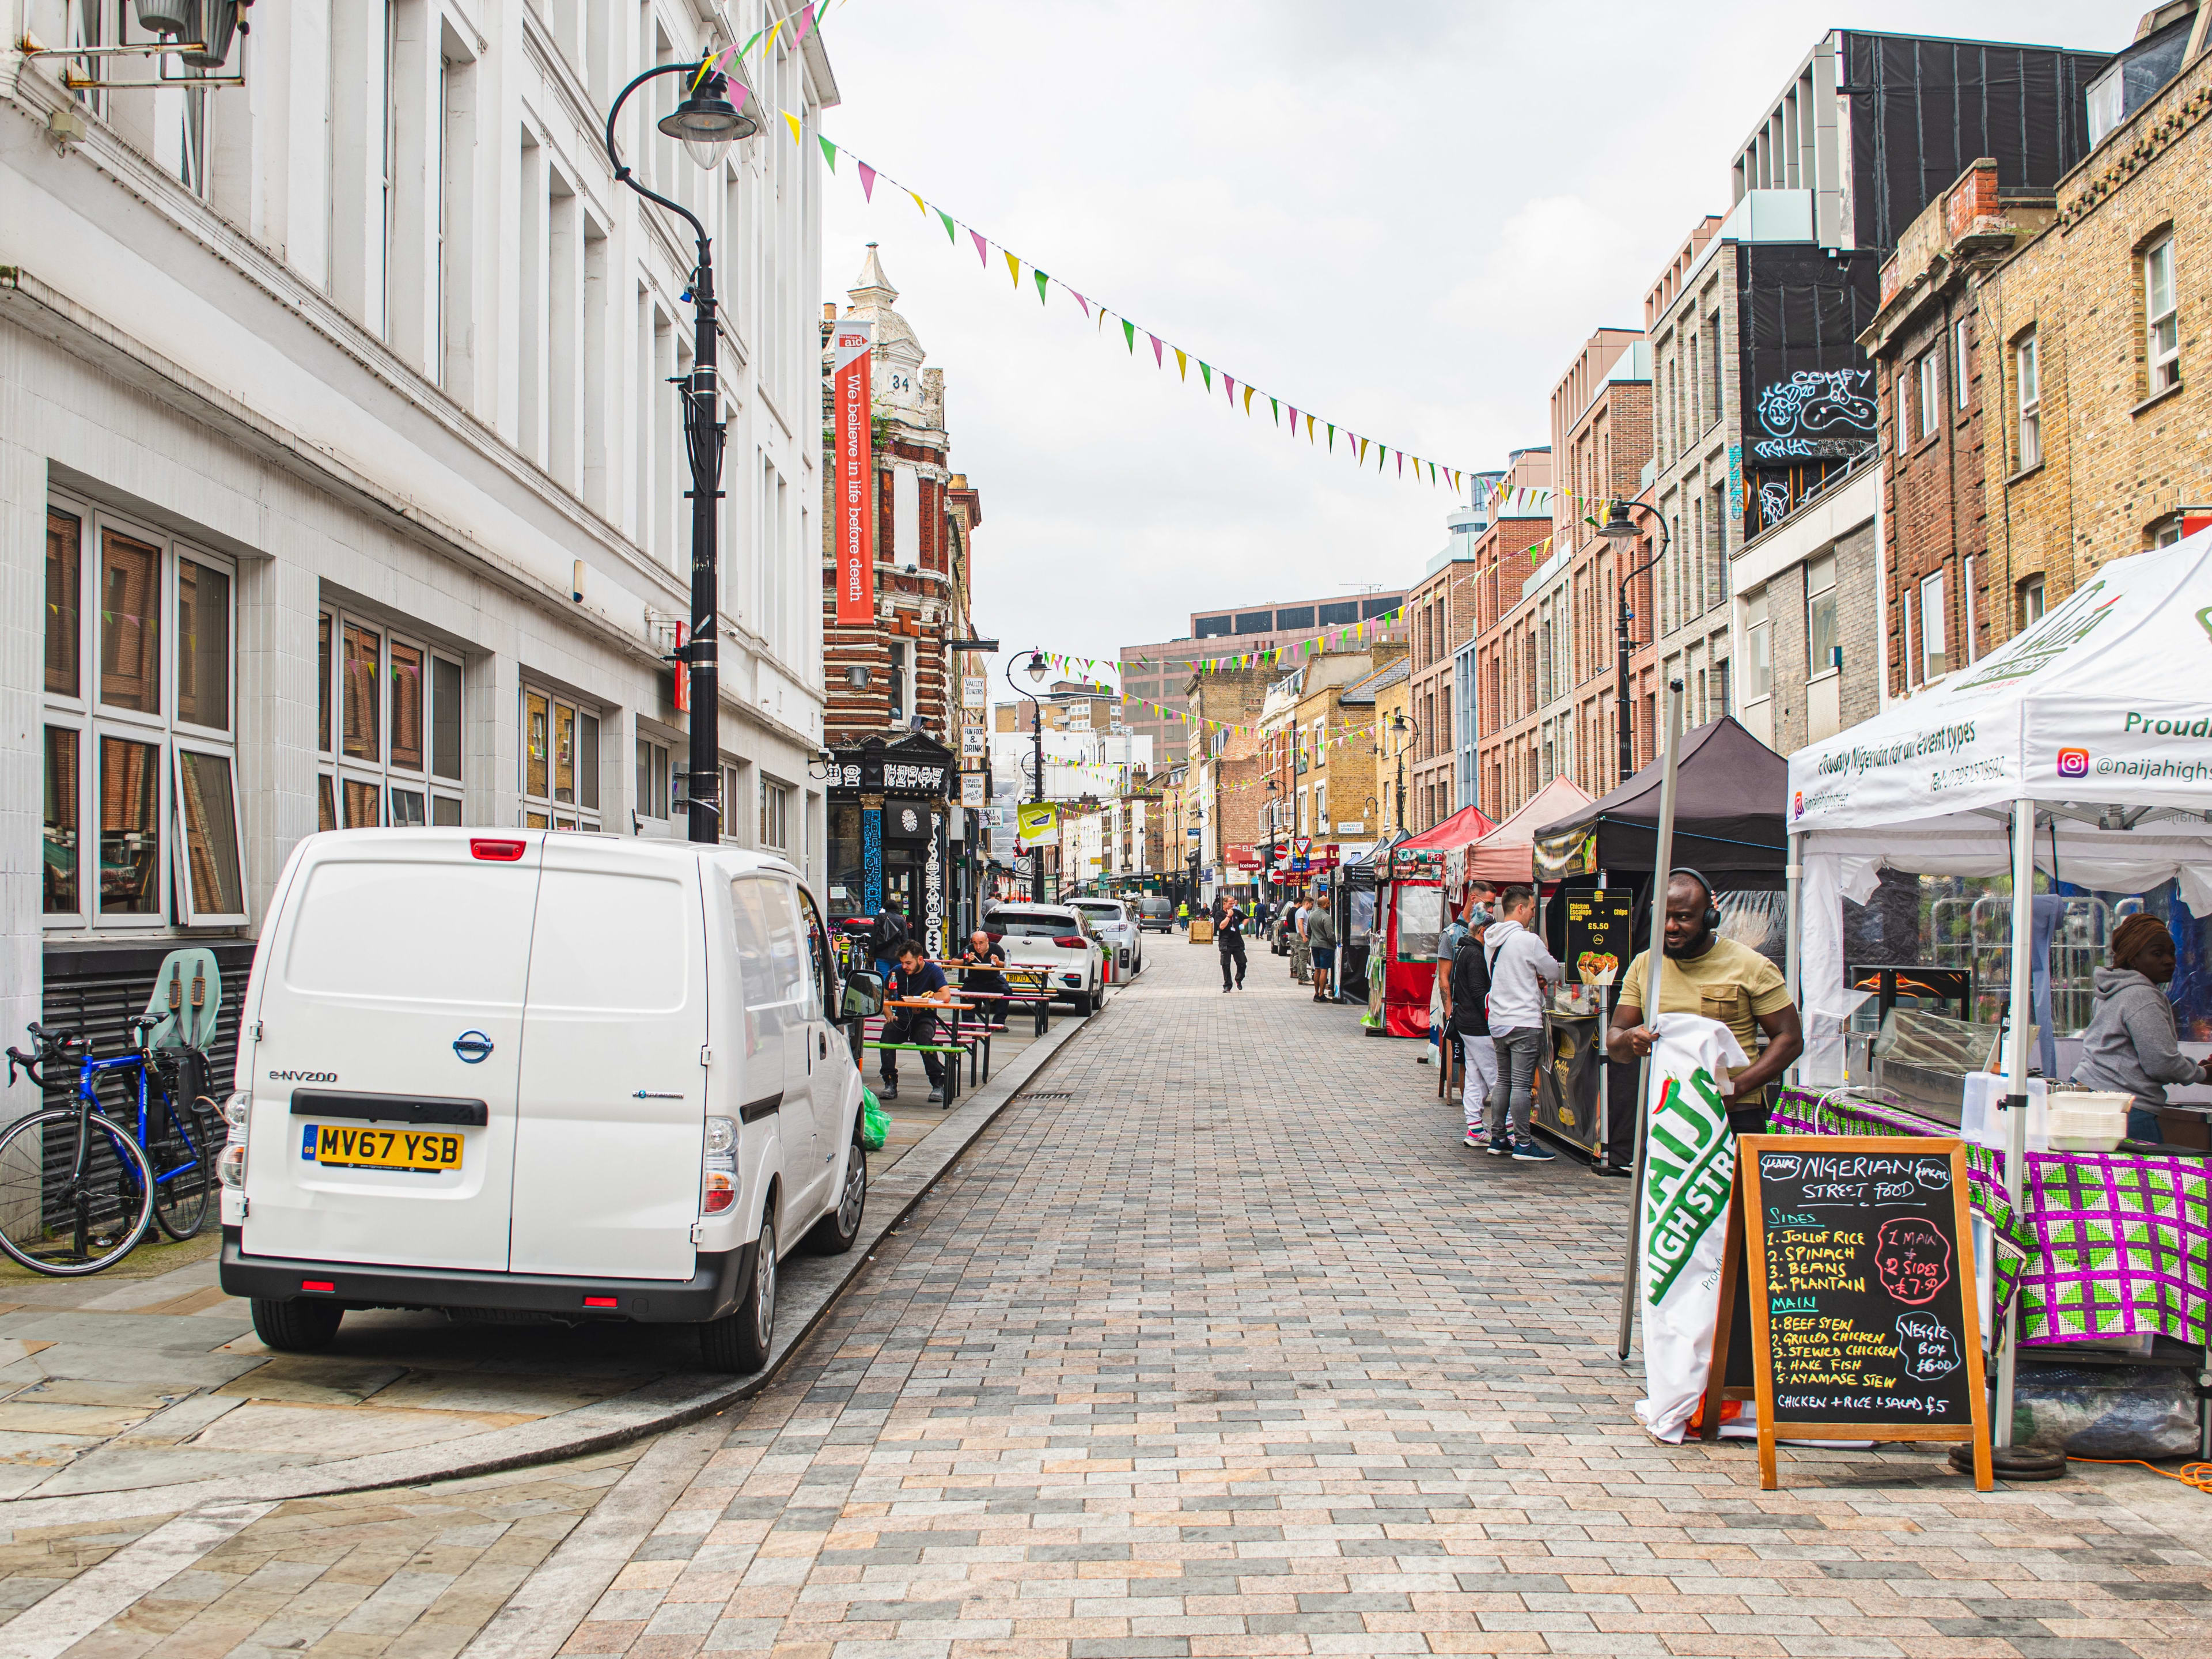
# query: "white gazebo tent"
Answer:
x=2077 y=749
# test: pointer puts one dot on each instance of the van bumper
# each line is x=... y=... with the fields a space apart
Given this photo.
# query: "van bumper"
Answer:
x=710 y=1293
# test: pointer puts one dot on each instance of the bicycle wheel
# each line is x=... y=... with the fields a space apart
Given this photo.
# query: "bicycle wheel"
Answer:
x=76 y=1192
x=181 y=1148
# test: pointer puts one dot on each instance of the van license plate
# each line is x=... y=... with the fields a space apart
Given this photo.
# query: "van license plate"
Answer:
x=428 y=1151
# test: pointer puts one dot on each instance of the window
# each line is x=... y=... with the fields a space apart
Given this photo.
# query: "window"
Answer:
x=1823 y=646
x=1904 y=412
x=2027 y=370
x=776 y=815
x=1966 y=611
x=2162 y=318
x=1904 y=650
x=1934 y=660
x=2027 y=602
x=1931 y=397
x=900 y=701
x=139 y=737
x=395 y=705
x=1759 y=647
x=1962 y=387
x=1713 y=364
x=559 y=762
x=652 y=781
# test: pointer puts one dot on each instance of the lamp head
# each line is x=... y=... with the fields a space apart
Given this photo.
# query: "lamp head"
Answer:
x=706 y=123
x=1619 y=527
x=1036 y=668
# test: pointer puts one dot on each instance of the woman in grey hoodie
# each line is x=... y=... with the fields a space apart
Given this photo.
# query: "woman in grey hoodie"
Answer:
x=2130 y=1044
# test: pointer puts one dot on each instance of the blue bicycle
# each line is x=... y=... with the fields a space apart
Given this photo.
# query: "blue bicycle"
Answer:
x=78 y=1189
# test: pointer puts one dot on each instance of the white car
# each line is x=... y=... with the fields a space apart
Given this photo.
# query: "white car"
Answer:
x=1057 y=938
x=1115 y=924
x=520 y=1072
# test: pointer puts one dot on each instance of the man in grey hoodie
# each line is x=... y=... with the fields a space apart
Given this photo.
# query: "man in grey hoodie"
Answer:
x=1519 y=964
x=2130 y=1045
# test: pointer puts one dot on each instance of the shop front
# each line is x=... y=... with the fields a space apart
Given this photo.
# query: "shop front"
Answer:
x=891 y=836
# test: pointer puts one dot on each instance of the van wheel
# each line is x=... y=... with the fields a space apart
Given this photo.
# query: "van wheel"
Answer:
x=296 y=1327
x=839 y=1230
x=738 y=1342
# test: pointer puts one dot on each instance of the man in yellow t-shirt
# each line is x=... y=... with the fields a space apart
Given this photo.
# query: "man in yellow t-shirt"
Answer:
x=1706 y=974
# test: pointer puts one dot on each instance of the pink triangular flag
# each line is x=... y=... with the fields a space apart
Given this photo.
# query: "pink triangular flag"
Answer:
x=1157 y=361
x=1294 y=419
x=1229 y=383
x=1401 y=463
x=867 y=182
x=982 y=247
x=1079 y=300
x=805 y=22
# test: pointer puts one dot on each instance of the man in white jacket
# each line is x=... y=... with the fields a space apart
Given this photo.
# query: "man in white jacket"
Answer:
x=1519 y=964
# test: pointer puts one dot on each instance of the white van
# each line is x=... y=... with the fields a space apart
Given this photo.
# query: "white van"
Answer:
x=523 y=1072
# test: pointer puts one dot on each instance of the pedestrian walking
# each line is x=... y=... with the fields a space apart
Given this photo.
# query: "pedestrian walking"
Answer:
x=1519 y=965
x=1228 y=941
x=1320 y=940
x=1182 y=915
x=1466 y=975
x=1300 y=947
x=915 y=978
x=886 y=932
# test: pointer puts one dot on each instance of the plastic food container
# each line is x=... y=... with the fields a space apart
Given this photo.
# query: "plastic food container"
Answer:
x=2088 y=1119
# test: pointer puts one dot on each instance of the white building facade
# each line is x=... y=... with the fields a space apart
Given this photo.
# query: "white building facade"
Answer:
x=341 y=482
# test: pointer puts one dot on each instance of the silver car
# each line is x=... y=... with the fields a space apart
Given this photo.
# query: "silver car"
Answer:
x=1116 y=923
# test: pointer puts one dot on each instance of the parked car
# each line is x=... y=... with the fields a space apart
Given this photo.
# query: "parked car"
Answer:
x=522 y=1073
x=1155 y=913
x=1058 y=938
x=1116 y=927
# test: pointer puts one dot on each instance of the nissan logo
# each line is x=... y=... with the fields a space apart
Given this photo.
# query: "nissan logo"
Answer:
x=473 y=1047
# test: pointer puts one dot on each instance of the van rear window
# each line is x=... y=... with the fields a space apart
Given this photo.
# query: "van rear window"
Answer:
x=402 y=931
x=1018 y=924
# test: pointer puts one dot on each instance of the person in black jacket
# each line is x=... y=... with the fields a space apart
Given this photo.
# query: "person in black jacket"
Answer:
x=1228 y=941
x=1467 y=996
x=885 y=934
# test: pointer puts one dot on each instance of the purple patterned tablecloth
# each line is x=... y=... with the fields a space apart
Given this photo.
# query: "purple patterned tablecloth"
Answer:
x=2114 y=1243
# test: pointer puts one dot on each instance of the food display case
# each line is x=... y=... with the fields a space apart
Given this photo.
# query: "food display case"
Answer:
x=1570 y=1097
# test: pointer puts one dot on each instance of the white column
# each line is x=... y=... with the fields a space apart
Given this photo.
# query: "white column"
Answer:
x=22 y=755
x=2023 y=935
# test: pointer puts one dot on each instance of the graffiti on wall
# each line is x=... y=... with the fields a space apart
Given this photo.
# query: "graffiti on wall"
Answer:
x=1815 y=413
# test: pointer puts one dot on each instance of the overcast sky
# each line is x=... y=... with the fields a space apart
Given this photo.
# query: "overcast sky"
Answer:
x=1408 y=217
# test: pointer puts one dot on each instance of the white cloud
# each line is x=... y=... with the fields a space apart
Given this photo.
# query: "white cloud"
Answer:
x=1411 y=214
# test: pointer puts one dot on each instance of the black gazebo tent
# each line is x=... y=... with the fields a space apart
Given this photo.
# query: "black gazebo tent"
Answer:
x=1731 y=795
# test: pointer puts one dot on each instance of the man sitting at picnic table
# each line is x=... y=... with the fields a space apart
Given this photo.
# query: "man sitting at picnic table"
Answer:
x=916 y=978
x=984 y=983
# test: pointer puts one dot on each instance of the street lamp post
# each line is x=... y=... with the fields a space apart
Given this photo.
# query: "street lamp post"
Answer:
x=1619 y=528
x=1274 y=808
x=706 y=125
x=1401 y=724
x=1035 y=669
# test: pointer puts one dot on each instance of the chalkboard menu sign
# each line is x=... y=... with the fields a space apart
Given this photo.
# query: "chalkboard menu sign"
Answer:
x=1864 y=1320
x=1600 y=926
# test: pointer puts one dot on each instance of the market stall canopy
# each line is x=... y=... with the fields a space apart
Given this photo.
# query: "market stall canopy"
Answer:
x=1730 y=789
x=2087 y=714
x=1508 y=853
x=1462 y=828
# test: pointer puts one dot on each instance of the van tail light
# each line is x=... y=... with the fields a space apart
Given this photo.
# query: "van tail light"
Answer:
x=1068 y=941
x=497 y=852
x=230 y=1162
x=602 y=1302
x=322 y=1285
x=718 y=1185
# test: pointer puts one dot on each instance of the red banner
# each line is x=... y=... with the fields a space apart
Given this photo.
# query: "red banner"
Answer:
x=850 y=339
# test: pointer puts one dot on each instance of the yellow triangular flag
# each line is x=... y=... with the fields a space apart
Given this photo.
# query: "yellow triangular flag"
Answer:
x=772 y=34
x=919 y=202
x=797 y=138
x=1013 y=265
x=1183 y=364
x=1248 y=400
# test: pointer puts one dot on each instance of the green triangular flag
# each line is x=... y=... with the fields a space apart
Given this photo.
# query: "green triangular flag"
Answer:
x=1277 y=408
x=1331 y=437
x=1129 y=333
x=949 y=235
x=828 y=151
x=1042 y=279
x=1206 y=370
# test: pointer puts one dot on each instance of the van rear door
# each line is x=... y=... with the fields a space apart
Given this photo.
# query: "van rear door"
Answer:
x=613 y=1110
x=390 y=1009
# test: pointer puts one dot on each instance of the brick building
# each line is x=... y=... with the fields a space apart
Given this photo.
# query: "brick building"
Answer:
x=2090 y=349
x=1508 y=753
x=1317 y=748
x=1439 y=618
x=1391 y=687
x=1224 y=774
x=1154 y=677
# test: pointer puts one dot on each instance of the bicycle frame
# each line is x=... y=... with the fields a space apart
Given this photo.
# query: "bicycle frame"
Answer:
x=89 y=1097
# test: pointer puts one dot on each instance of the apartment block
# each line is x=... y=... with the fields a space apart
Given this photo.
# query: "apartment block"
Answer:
x=1440 y=614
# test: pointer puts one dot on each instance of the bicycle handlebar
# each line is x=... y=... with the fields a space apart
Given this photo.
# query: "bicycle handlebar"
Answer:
x=53 y=1042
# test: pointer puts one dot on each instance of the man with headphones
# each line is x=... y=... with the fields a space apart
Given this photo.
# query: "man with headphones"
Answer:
x=1722 y=979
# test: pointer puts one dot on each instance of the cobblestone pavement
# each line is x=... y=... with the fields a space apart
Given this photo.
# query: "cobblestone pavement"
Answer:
x=1221 y=1344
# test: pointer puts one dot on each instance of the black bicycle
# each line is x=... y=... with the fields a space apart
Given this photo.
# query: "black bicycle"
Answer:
x=78 y=1189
